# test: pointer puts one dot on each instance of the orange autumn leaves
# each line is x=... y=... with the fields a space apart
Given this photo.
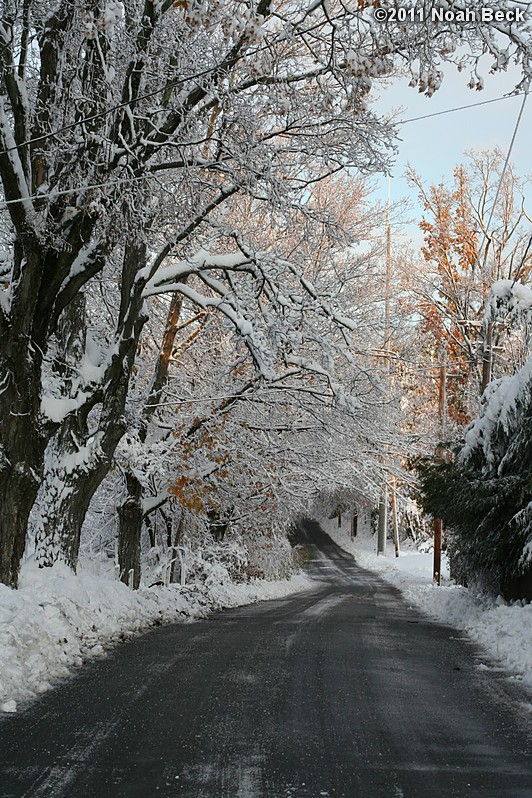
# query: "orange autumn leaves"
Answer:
x=451 y=305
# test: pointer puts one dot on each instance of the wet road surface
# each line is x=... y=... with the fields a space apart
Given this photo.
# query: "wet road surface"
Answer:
x=342 y=692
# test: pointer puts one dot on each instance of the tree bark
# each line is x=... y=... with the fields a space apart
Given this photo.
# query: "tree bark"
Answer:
x=22 y=444
x=71 y=480
x=18 y=489
x=177 y=542
x=78 y=459
x=129 y=530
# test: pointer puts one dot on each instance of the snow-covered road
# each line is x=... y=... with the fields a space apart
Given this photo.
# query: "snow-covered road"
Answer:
x=336 y=693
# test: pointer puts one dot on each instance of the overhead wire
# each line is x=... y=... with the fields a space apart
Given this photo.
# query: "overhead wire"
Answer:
x=132 y=179
x=460 y=108
x=507 y=160
x=173 y=84
x=84 y=120
x=79 y=190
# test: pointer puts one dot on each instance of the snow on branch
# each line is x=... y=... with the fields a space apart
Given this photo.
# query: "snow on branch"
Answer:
x=13 y=177
x=242 y=325
x=508 y=397
x=169 y=278
x=509 y=298
x=504 y=401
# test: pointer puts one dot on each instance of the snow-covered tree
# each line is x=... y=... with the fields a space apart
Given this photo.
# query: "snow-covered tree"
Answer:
x=484 y=495
x=124 y=127
x=237 y=443
x=476 y=231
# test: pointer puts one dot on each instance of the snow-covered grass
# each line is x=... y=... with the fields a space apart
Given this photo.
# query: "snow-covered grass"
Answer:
x=502 y=628
x=56 y=619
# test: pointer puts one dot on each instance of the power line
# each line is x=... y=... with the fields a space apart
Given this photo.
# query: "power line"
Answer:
x=65 y=192
x=460 y=108
x=100 y=114
x=487 y=353
x=486 y=234
x=79 y=190
x=507 y=159
x=181 y=81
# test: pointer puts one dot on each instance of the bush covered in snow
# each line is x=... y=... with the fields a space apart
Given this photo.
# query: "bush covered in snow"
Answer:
x=484 y=496
x=57 y=619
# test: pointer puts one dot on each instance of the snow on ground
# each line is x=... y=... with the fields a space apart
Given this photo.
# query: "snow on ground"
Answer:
x=56 y=620
x=502 y=628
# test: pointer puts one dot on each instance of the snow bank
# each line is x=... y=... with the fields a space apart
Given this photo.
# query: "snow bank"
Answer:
x=56 y=619
x=503 y=629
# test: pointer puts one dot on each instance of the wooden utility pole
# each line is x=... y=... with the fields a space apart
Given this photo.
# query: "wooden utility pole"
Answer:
x=383 y=503
x=442 y=398
x=442 y=402
x=388 y=284
x=487 y=357
x=394 y=519
x=383 y=521
x=436 y=574
x=354 y=523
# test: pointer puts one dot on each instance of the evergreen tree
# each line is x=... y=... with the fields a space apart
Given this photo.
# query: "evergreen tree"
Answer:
x=484 y=494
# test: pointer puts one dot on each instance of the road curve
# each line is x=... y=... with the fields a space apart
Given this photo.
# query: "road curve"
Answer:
x=343 y=692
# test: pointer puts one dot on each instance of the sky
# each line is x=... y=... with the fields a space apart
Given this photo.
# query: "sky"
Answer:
x=433 y=147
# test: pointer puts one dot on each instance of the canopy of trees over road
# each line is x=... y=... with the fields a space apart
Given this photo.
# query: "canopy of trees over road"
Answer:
x=174 y=237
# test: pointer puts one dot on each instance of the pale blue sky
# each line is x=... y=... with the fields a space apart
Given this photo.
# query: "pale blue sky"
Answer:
x=434 y=146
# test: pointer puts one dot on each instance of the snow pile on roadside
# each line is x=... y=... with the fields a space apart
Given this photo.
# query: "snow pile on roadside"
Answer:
x=56 y=619
x=504 y=629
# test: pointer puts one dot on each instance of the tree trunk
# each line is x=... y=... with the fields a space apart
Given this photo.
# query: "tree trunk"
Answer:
x=18 y=490
x=77 y=464
x=22 y=444
x=177 y=542
x=74 y=473
x=129 y=531
x=130 y=515
x=57 y=524
x=78 y=460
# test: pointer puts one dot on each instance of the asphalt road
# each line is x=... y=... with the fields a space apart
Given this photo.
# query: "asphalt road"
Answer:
x=338 y=693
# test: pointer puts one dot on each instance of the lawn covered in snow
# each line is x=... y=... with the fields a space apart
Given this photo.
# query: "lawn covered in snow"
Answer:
x=502 y=628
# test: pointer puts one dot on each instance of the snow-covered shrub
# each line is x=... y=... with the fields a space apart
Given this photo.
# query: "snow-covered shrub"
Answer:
x=271 y=556
x=484 y=499
x=484 y=495
x=229 y=557
x=414 y=525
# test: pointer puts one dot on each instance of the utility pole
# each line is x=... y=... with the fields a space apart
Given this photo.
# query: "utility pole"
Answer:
x=388 y=283
x=487 y=357
x=442 y=402
x=354 y=522
x=394 y=519
x=383 y=502
x=383 y=521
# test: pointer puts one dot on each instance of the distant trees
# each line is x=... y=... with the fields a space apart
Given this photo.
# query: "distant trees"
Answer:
x=469 y=243
x=126 y=129
x=250 y=450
